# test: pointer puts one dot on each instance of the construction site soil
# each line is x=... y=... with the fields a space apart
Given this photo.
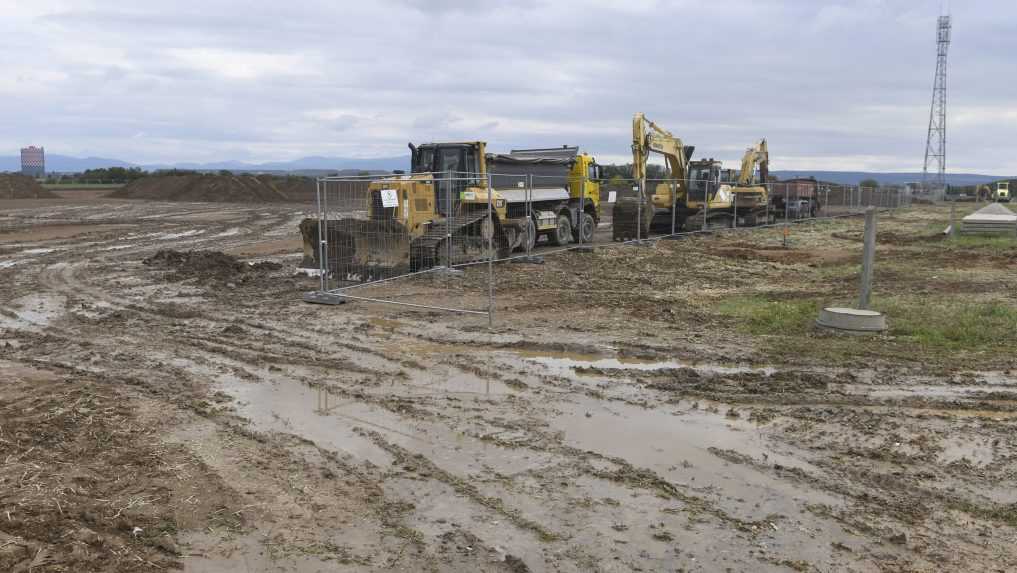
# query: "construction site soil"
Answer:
x=165 y=404
x=219 y=188
x=16 y=186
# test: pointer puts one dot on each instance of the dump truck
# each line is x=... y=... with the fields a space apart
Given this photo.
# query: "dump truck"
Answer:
x=437 y=215
x=1002 y=194
x=797 y=197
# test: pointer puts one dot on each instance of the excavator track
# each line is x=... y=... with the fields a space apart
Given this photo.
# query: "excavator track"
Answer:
x=630 y=220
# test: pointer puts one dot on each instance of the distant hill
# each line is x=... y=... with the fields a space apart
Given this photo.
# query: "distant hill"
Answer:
x=854 y=177
x=304 y=164
x=320 y=165
x=67 y=164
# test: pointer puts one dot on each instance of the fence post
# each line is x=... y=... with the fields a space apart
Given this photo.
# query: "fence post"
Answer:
x=449 y=222
x=529 y=216
x=639 y=210
x=321 y=234
x=868 y=257
x=734 y=205
x=674 y=205
x=324 y=241
x=490 y=258
x=582 y=210
x=706 y=204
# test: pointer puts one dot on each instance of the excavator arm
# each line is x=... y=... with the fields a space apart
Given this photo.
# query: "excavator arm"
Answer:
x=648 y=136
x=633 y=215
x=755 y=155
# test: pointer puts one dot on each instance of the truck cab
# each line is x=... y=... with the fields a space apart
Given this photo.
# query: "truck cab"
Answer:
x=1003 y=191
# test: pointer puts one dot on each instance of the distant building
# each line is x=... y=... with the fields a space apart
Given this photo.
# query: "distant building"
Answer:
x=33 y=161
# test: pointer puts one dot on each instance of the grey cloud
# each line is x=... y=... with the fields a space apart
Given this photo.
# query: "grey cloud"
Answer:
x=840 y=82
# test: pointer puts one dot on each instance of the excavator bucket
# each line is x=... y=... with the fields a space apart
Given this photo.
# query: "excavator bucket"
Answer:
x=357 y=250
x=630 y=220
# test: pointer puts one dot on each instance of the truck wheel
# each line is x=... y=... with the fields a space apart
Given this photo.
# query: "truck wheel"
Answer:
x=587 y=224
x=562 y=234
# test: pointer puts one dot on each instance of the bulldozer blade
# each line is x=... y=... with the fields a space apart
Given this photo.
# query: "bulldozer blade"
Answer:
x=357 y=250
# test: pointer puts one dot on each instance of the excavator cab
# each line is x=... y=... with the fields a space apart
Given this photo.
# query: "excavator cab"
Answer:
x=703 y=176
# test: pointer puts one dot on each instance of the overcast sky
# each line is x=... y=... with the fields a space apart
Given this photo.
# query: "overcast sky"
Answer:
x=832 y=85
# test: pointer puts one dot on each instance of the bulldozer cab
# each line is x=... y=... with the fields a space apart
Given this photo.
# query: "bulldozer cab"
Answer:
x=455 y=167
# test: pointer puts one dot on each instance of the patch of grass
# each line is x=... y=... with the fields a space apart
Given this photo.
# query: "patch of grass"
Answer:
x=990 y=242
x=763 y=316
x=935 y=323
x=950 y=323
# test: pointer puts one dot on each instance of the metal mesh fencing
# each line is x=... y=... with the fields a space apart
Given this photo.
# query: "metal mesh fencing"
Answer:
x=432 y=240
x=405 y=240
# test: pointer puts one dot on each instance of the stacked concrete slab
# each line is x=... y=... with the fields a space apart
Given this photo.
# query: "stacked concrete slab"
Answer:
x=994 y=219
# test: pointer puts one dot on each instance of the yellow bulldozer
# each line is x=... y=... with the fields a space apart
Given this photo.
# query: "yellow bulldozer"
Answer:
x=438 y=214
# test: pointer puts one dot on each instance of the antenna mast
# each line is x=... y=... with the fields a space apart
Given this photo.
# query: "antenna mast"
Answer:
x=935 y=144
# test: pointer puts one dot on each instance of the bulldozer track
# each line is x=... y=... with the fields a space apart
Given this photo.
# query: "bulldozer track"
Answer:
x=425 y=251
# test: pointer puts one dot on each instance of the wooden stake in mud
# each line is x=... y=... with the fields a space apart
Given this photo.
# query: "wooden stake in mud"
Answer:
x=868 y=257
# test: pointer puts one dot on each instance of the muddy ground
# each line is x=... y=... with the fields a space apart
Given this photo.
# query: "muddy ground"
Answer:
x=658 y=408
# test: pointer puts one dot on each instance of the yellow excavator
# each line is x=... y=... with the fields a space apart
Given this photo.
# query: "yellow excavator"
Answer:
x=700 y=194
x=437 y=215
x=742 y=201
x=633 y=216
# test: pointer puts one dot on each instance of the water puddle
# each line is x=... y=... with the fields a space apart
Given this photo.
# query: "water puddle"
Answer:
x=180 y=235
x=34 y=311
x=244 y=554
x=974 y=452
x=926 y=390
x=572 y=364
x=40 y=251
x=232 y=231
x=693 y=448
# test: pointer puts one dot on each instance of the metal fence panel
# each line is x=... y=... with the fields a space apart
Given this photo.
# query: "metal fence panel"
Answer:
x=431 y=240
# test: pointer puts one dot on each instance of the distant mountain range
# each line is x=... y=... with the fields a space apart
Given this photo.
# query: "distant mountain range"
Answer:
x=854 y=177
x=68 y=164
x=317 y=165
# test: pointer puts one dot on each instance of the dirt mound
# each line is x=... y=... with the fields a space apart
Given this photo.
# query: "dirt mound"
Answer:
x=219 y=188
x=14 y=186
x=206 y=264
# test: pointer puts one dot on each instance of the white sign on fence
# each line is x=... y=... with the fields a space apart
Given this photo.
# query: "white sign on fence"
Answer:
x=612 y=196
x=389 y=198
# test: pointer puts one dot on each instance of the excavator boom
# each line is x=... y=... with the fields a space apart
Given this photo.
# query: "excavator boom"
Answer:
x=632 y=216
x=755 y=155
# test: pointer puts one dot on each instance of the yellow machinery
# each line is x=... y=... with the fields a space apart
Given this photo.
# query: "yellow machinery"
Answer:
x=632 y=216
x=438 y=214
x=1002 y=194
x=743 y=201
x=699 y=194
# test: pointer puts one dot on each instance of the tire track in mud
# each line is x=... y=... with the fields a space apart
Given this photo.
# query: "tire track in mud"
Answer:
x=626 y=474
x=433 y=431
